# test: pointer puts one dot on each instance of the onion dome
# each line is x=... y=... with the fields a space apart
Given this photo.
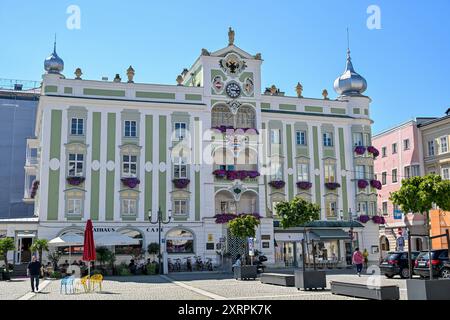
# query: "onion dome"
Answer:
x=350 y=83
x=54 y=64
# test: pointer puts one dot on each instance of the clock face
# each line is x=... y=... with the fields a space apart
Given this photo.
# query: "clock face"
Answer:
x=233 y=90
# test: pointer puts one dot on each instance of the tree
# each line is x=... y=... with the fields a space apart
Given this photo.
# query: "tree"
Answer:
x=418 y=194
x=153 y=249
x=103 y=255
x=39 y=245
x=297 y=212
x=53 y=257
x=244 y=227
x=6 y=244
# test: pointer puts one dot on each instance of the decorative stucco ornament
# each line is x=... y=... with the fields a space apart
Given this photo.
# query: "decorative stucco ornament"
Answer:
x=130 y=74
x=78 y=73
x=180 y=80
x=231 y=35
x=299 y=90
x=117 y=78
x=237 y=189
x=232 y=65
x=325 y=94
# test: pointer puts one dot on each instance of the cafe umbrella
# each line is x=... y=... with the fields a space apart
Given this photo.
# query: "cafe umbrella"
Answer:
x=89 y=245
x=70 y=240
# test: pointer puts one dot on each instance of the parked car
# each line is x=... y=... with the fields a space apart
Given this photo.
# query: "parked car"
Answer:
x=438 y=257
x=396 y=263
x=445 y=273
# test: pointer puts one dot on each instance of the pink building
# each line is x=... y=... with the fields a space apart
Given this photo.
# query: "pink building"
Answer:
x=400 y=157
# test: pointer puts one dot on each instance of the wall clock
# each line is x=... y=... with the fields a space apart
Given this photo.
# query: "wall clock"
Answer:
x=233 y=90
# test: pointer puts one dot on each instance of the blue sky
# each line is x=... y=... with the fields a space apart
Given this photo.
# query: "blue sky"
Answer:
x=406 y=62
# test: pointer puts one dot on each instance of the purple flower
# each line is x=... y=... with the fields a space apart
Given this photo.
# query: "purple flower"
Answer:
x=236 y=174
x=220 y=173
x=75 y=181
x=277 y=184
x=374 y=151
x=130 y=182
x=305 y=185
x=360 y=150
x=181 y=183
x=34 y=188
x=224 y=217
x=332 y=185
x=364 y=218
x=375 y=184
x=362 y=184
x=378 y=219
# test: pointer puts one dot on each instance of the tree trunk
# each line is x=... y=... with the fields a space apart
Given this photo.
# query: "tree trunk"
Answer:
x=429 y=244
x=5 y=257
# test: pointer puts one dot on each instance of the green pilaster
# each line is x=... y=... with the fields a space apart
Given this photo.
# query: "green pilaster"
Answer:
x=316 y=163
x=148 y=157
x=53 y=176
x=95 y=175
x=163 y=158
x=110 y=156
x=343 y=167
x=290 y=161
x=197 y=196
x=197 y=162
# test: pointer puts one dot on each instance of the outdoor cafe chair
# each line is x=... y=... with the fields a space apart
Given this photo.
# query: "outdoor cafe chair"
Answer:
x=84 y=282
x=97 y=279
x=67 y=283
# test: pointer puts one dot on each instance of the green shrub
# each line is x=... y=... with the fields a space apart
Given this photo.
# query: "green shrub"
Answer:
x=56 y=275
x=151 y=268
x=125 y=272
x=97 y=271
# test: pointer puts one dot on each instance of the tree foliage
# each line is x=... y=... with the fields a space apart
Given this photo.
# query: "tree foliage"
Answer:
x=244 y=226
x=297 y=212
x=6 y=244
x=39 y=245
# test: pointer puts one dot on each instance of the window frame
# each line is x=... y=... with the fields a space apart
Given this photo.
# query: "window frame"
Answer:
x=430 y=145
x=180 y=133
x=179 y=163
x=300 y=138
x=441 y=144
x=301 y=173
x=71 y=203
x=327 y=138
x=394 y=148
x=78 y=121
x=130 y=129
x=128 y=201
x=177 y=204
x=383 y=152
x=406 y=144
x=384 y=178
x=75 y=162
x=275 y=136
x=394 y=175
x=130 y=163
x=327 y=172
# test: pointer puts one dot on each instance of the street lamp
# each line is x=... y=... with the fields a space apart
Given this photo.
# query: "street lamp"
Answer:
x=159 y=222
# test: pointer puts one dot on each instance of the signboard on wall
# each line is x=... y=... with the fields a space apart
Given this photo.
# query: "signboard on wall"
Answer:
x=251 y=246
x=397 y=214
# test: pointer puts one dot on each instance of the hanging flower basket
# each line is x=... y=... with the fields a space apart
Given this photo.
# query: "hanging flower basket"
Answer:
x=236 y=174
x=305 y=185
x=364 y=218
x=75 y=181
x=181 y=183
x=34 y=188
x=130 y=182
x=220 y=173
x=224 y=217
x=360 y=150
x=332 y=185
x=362 y=184
x=277 y=184
x=378 y=219
x=375 y=184
x=374 y=151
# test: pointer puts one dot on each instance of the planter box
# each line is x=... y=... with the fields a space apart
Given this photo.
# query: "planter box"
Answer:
x=245 y=272
x=428 y=289
x=358 y=290
x=286 y=280
x=310 y=279
x=6 y=275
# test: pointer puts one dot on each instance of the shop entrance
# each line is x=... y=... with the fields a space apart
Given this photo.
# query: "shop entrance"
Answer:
x=288 y=252
x=23 y=253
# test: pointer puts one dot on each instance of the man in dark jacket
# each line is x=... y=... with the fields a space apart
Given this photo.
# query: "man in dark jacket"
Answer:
x=34 y=271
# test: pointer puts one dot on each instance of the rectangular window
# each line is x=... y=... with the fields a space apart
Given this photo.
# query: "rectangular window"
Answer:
x=394 y=148
x=406 y=144
x=415 y=171
x=179 y=168
x=74 y=207
x=330 y=173
x=369 y=173
x=77 y=126
x=300 y=138
x=383 y=178
x=128 y=207
x=76 y=161
x=383 y=152
x=446 y=173
x=331 y=209
x=359 y=172
x=367 y=140
x=431 y=148
x=180 y=131
x=407 y=173
x=228 y=207
x=276 y=171
x=362 y=207
x=372 y=208
x=129 y=165
x=180 y=208
x=394 y=176
x=130 y=128
x=358 y=139
x=328 y=139
x=275 y=136
x=444 y=144
x=302 y=172
x=385 y=207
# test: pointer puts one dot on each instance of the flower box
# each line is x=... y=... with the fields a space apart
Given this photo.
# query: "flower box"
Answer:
x=75 y=181
x=378 y=219
x=332 y=185
x=305 y=185
x=220 y=173
x=130 y=182
x=224 y=217
x=375 y=184
x=232 y=130
x=374 y=151
x=181 y=183
x=362 y=184
x=236 y=174
x=34 y=188
x=364 y=218
x=360 y=150
x=277 y=184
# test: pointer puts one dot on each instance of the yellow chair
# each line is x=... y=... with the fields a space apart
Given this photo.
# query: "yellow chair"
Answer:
x=97 y=279
x=85 y=283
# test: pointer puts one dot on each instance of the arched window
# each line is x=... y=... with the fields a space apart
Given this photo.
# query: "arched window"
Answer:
x=179 y=241
x=221 y=116
x=130 y=249
x=384 y=243
x=245 y=117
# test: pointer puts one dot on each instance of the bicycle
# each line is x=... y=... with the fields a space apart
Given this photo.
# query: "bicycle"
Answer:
x=177 y=265
x=170 y=264
x=188 y=264
x=198 y=263
x=208 y=264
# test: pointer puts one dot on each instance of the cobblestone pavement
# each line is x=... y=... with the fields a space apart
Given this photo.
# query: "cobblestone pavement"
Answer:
x=195 y=286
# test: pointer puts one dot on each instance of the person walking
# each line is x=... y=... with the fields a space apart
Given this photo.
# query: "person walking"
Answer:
x=34 y=271
x=358 y=260
x=366 y=258
x=238 y=262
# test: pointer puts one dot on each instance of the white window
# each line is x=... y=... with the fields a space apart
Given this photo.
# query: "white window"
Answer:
x=444 y=144
x=369 y=173
x=328 y=139
x=276 y=171
x=358 y=139
x=274 y=205
x=130 y=128
x=372 y=208
x=331 y=209
x=179 y=168
x=385 y=207
x=228 y=207
x=446 y=173
x=275 y=136
x=128 y=207
x=359 y=172
x=367 y=140
x=415 y=171
x=407 y=172
x=74 y=207
x=180 y=207
x=77 y=126
x=302 y=172
x=383 y=178
x=330 y=173
x=180 y=131
x=300 y=137
x=383 y=152
x=76 y=161
x=362 y=207
x=406 y=144
x=394 y=176
x=431 y=148
x=129 y=165
x=394 y=148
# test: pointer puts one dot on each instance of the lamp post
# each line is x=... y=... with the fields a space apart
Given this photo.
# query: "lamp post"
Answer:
x=159 y=222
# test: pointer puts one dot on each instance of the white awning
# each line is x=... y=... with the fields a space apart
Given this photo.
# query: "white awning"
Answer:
x=288 y=236
x=26 y=235
x=69 y=240
x=113 y=239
